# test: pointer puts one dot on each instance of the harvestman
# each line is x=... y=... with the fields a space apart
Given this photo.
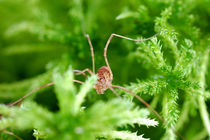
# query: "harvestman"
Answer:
x=104 y=80
x=104 y=74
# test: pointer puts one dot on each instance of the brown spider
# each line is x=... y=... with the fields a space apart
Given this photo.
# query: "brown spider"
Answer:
x=104 y=74
x=104 y=80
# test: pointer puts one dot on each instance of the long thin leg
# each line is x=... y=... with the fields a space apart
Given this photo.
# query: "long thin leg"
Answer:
x=114 y=92
x=28 y=94
x=83 y=72
x=19 y=100
x=120 y=36
x=141 y=100
x=92 y=52
x=12 y=134
x=78 y=72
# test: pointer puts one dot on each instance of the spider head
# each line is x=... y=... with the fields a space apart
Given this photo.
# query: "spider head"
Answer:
x=104 y=80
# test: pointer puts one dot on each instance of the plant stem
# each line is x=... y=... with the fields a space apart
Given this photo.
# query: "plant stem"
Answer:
x=202 y=106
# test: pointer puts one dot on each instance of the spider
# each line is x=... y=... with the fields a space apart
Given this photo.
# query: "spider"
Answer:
x=104 y=73
x=104 y=81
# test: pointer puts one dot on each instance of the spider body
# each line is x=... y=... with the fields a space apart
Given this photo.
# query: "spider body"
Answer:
x=104 y=80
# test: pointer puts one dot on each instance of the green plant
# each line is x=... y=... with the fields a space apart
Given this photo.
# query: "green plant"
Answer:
x=73 y=121
x=170 y=71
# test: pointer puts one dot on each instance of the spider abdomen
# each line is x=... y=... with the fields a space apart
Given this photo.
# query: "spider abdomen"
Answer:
x=104 y=80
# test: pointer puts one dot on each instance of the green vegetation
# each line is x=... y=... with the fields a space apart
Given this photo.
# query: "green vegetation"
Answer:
x=42 y=41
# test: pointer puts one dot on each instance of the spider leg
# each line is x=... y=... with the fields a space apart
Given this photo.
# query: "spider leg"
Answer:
x=141 y=100
x=120 y=36
x=78 y=72
x=114 y=92
x=28 y=94
x=92 y=52
x=19 y=100
x=12 y=134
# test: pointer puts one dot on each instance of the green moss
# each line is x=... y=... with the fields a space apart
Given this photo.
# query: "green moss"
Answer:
x=169 y=71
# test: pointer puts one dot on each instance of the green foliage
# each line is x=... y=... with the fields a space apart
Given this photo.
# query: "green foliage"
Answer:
x=170 y=71
x=75 y=121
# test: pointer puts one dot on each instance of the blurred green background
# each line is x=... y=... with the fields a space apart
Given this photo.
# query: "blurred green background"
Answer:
x=38 y=35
